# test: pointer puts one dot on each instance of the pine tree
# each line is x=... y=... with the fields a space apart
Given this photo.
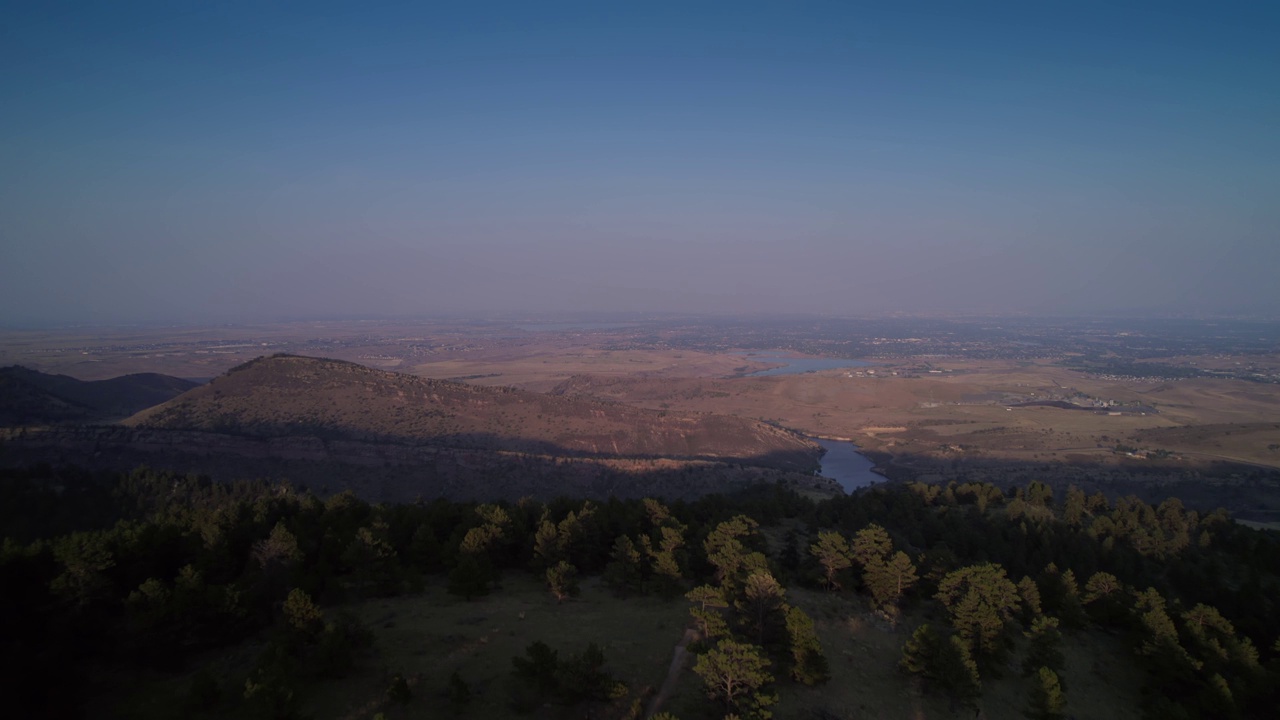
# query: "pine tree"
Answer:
x=665 y=576
x=546 y=544
x=980 y=600
x=375 y=567
x=762 y=595
x=888 y=581
x=470 y=578
x=708 y=601
x=625 y=572
x=582 y=677
x=732 y=672
x=562 y=580
x=808 y=664
x=1047 y=700
x=1060 y=596
x=919 y=652
x=725 y=550
x=302 y=614
x=1104 y=599
x=945 y=665
x=424 y=549
x=957 y=674
x=834 y=554
x=871 y=545
x=1074 y=508
x=538 y=666
x=1045 y=648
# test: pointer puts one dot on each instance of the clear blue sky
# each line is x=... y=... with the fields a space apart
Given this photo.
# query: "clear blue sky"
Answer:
x=184 y=160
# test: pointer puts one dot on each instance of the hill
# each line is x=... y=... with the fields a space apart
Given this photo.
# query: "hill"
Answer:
x=29 y=396
x=291 y=396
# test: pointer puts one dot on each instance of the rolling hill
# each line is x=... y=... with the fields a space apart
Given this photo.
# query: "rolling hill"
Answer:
x=291 y=396
x=29 y=396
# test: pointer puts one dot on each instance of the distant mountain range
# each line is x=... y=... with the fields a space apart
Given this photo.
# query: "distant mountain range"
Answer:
x=32 y=397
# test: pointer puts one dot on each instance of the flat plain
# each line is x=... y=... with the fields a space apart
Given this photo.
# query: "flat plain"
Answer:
x=924 y=415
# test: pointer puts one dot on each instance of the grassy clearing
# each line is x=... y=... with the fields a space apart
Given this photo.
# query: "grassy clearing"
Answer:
x=430 y=636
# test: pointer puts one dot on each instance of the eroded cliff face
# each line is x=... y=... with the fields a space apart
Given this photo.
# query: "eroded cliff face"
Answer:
x=388 y=472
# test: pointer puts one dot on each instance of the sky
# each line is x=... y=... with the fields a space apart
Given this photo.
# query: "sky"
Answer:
x=184 y=161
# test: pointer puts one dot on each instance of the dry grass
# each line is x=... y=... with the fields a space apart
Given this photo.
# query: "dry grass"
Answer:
x=430 y=636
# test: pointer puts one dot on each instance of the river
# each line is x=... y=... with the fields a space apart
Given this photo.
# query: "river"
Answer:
x=843 y=463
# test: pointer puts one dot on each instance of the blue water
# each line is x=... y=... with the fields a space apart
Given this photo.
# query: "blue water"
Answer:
x=843 y=463
x=798 y=365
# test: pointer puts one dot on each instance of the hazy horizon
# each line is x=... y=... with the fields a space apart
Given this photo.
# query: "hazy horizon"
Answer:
x=242 y=162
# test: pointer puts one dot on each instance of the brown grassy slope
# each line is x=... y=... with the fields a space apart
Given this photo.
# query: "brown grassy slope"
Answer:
x=290 y=395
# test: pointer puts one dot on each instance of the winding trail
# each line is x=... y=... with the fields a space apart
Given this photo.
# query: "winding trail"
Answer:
x=673 y=674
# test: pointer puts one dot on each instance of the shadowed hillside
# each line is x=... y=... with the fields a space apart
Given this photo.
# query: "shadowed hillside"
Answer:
x=29 y=396
x=334 y=400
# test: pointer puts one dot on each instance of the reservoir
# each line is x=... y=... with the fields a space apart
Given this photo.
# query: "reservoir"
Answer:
x=798 y=365
x=843 y=463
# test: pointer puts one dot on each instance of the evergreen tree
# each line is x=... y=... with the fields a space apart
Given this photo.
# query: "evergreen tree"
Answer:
x=789 y=559
x=625 y=572
x=919 y=652
x=1047 y=701
x=470 y=578
x=725 y=550
x=957 y=673
x=732 y=673
x=85 y=559
x=888 y=581
x=980 y=600
x=945 y=665
x=1104 y=599
x=270 y=689
x=762 y=596
x=424 y=549
x=582 y=677
x=547 y=550
x=278 y=552
x=562 y=580
x=1060 y=596
x=1073 y=509
x=1029 y=594
x=1045 y=647
x=834 y=554
x=808 y=664
x=302 y=614
x=708 y=601
x=665 y=576
x=538 y=666
x=871 y=545
x=373 y=561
